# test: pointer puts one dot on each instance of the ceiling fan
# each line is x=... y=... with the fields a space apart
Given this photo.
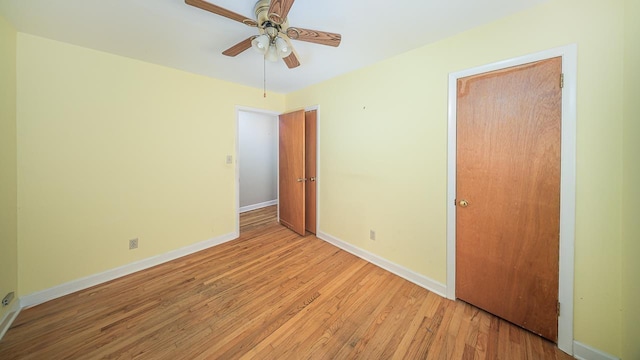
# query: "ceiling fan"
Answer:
x=274 y=30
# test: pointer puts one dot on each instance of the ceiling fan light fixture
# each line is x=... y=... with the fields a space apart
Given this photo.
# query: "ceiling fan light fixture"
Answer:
x=274 y=33
x=272 y=54
x=261 y=43
x=283 y=48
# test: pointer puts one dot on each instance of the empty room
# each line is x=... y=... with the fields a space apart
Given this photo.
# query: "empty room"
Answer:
x=279 y=179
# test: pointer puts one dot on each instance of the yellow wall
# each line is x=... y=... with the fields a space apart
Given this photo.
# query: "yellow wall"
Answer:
x=8 y=177
x=111 y=149
x=631 y=191
x=384 y=144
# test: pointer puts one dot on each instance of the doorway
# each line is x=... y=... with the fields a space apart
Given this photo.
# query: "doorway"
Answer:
x=508 y=192
x=568 y=54
x=256 y=161
x=310 y=143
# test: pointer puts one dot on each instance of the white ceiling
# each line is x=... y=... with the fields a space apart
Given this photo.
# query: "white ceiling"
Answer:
x=173 y=34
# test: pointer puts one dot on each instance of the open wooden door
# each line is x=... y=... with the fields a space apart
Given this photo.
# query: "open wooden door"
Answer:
x=311 y=127
x=292 y=171
x=508 y=193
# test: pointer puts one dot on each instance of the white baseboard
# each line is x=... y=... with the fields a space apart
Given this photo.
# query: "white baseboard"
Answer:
x=399 y=270
x=9 y=317
x=258 y=206
x=92 y=280
x=586 y=352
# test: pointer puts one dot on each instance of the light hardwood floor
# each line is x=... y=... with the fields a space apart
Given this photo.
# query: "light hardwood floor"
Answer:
x=268 y=295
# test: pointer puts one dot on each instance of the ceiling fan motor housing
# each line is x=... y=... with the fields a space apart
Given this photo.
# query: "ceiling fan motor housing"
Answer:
x=264 y=23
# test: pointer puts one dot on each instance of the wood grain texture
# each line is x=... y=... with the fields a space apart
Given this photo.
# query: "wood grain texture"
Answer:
x=239 y=47
x=292 y=60
x=314 y=36
x=259 y=218
x=270 y=294
x=310 y=144
x=291 y=196
x=508 y=169
x=221 y=11
x=279 y=9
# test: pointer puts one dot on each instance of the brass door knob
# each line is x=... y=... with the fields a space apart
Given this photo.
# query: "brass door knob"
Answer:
x=312 y=179
x=464 y=203
x=302 y=179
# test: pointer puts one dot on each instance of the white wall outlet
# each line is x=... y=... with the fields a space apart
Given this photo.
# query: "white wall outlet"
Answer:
x=229 y=159
x=7 y=299
x=372 y=234
x=133 y=244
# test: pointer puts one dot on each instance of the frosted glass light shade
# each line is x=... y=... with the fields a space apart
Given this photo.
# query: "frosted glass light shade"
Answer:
x=272 y=54
x=261 y=43
x=282 y=47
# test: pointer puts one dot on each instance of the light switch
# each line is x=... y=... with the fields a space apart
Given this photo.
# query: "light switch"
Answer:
x=229 y=159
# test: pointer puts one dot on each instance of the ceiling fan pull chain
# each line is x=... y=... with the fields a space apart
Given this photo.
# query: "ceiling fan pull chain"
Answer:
x=264 y=76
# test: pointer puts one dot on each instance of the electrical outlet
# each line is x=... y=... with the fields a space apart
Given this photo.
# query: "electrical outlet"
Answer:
x=133 y=244
x=372 y=234
x=229 y=159
x=7 y=299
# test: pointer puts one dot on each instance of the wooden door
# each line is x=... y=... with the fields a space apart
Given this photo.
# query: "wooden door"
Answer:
x=292 y=171
x=311 y=128
x=508 y=193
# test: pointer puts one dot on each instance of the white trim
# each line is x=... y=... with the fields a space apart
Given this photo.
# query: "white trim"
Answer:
x=92 y=280
x=256 y=110
x=567 y=180
x=236 y=129
x=399 y=270
x=9 y=317
x=567 y=197
x=586 y=352
x=258 y=205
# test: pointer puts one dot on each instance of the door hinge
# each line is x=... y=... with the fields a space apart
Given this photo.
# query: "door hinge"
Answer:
x=558 y=309
x=561 y=80
x=455 y=202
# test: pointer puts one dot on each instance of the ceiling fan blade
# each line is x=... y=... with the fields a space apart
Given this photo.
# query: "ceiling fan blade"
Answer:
x=314 y=36
x=279 y=9
x=221 y=11
x=292 y=61
x=239 y=47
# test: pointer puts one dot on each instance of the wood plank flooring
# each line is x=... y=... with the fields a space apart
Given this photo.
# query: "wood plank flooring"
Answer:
x=270 y=294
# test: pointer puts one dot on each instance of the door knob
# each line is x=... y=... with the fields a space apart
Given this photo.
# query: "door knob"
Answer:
x=312 y=179
x=464 y=203
x=302 y=179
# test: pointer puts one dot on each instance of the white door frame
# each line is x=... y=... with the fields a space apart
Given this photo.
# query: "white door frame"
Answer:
x=567 y=180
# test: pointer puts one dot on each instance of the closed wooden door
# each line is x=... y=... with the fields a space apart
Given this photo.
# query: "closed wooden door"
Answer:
x=292 y=171
x=508 y=193
x=311 y=127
